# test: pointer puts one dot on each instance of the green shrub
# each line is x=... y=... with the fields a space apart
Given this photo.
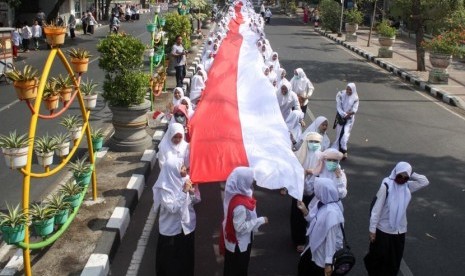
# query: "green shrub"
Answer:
x=385 y=29
x=330 y=15
x=354 y=16
x=177 y=25
x=126 y=89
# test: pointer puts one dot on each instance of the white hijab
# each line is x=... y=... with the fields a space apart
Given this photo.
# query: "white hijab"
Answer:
x=239 y=182
x=175 y=101
x=197 y=86
x=267 y=52
x=293 y=123
x=275 y=63
x=279 y=78
x=167 y=148
x=315 y=127
x=272 y=75
x=284 y=100
x=201 y=68
x=348 y=101
x=300 y=82
x=309 y=159
x=399 y=195
x=329 y=213
x=208 y=61
x=190 y=108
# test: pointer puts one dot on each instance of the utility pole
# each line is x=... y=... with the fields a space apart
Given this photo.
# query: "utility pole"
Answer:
x=342 y=16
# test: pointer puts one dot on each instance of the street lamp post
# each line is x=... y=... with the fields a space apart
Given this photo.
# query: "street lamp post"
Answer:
x=342 y=15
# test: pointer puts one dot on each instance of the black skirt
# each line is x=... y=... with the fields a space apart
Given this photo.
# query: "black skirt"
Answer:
x=298 y=222
x=308 y=267
x=175 y=255
x=237 y=263
x=385 y=254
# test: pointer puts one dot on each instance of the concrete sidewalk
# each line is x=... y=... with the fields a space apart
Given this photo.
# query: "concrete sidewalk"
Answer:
x=403 y=64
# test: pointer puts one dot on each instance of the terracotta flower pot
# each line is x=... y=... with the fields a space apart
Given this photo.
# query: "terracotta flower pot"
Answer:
x=80 y=65
x=55 y=36
x=26 y=90
x=65 y=94
x=52 y=102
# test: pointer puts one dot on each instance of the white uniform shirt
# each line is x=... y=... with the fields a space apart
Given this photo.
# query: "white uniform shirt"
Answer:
x=179 y=60
x=245 y=222
x=36 y=31
x=26 y=32
x=380 y=213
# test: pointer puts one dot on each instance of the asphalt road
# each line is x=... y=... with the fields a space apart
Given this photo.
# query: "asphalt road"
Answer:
x=394 y=123
x=16 y=115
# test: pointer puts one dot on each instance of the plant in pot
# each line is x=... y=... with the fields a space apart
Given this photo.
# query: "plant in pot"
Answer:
x=13 y=224
x=15 y=148
x=43 y=218
x=71 y=192
x=151 y=26
x=124 y=88
x=55 y=33
x=354 y=17
x=89 y=93
x=330 y=12
x=64 y=85
x=386 y=33
x=58 y=203
x=51 y=95
x=82 y=171
x=79 y=59
x=62 y=144
x=74 y=125
x=44 y=148
x=97 y=139
x=25 y=82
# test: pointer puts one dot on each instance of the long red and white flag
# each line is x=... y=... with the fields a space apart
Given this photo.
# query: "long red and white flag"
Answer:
x=238 y=121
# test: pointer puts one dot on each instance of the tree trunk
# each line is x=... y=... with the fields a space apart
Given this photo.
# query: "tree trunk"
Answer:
x=372 y=23
x=419 y=34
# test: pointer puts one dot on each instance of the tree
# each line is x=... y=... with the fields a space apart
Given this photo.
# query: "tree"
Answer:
x=422 y=14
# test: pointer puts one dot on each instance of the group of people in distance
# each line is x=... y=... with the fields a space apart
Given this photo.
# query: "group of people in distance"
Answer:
x=317 y=220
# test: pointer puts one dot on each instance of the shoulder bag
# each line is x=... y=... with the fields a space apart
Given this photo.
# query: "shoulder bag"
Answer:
x=343 y=259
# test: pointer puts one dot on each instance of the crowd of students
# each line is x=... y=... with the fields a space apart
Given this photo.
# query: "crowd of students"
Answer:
x=317 y=219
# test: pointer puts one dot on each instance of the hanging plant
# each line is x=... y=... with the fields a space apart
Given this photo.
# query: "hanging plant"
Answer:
x=25 y=82
x=15 y=148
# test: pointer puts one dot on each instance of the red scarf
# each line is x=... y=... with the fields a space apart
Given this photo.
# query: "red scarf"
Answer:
x=247 y=202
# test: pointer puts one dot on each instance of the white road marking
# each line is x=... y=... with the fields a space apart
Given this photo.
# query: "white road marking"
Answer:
x=141 y=245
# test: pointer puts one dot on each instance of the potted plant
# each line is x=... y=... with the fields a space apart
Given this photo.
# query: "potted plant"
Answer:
x=89 y=93
x=149 y=50
x=13 y=224
x=64 y=85
x=44 y=147
x=157 y=8
x=158 y=81
x=43 y=218
x=151 y=26
x=62 y=144
x=51 y=95
x=441 y=48
x=124 y=88
x=330 y=15
x=82 y=171
x=74 y=125
x=97 y=139
x=71 y=192
x=354 y=17
x=79 y=59
x=387 y=34
x=61 y=207
x=55 y=33
x=15 y=148
x=177 y=25
x=162 y=21
x=25 y=82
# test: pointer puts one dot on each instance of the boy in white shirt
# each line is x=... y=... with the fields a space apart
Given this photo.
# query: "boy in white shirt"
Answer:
x=26 y=34
x=36 y=34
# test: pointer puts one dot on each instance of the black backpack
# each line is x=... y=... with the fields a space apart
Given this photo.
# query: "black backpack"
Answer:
x=373 y=202
x=343 y=259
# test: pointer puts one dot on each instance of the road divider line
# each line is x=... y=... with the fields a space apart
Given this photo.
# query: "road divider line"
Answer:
x=405 y=269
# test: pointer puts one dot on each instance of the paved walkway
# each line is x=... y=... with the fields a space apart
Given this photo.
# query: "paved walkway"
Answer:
x=403 y=63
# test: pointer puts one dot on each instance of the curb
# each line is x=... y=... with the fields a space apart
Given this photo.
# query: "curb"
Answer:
x=425 y=86
x=98 y=263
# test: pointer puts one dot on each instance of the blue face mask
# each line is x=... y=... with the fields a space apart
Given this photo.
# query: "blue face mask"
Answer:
x=313 y=146
x=297 y=76
x=331 y=165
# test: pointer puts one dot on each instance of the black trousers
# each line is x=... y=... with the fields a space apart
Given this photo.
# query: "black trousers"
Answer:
x=175 y=255
x=180 y=74
x=71 y=33
x=84 y=28
x=385 y=254
x=298 y=222
x=237 y=263
x=307 y=267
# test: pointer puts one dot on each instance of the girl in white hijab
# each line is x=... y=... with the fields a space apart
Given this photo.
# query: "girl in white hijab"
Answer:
x=324 y=231
x=178 y=93
x=173 y=144
x=200 y=67
x=174 y=196
x=240 y=221
x=197 y=87
x=303 y=87
x=280 y=76
x=320 y=125
x=287 y=99
x=275 y=61
x=208 y=61
x=347 y=105
x=331 y=169
x=187 y=102
x=293 y=124
x=309 y=156
x=266 y=52
x=388 y=220
x=272 y=75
